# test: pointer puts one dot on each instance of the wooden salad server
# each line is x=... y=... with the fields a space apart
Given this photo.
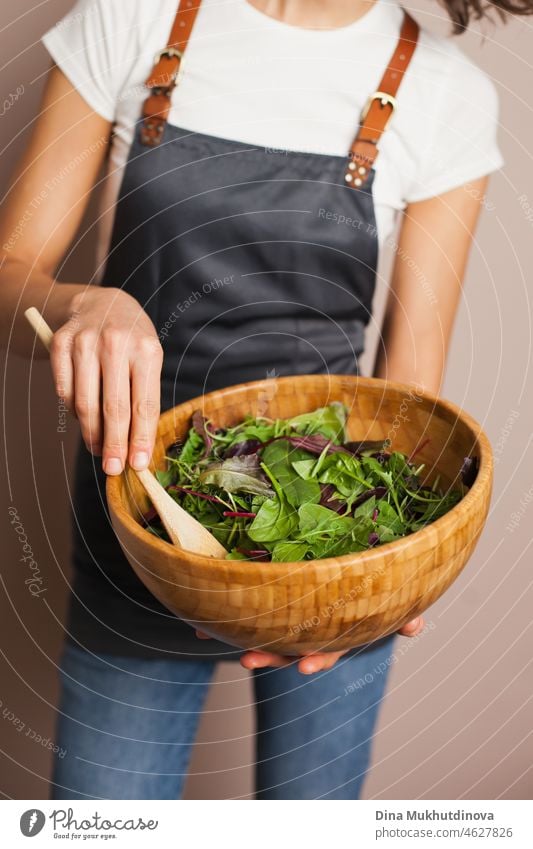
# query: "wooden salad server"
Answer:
x=183 y=529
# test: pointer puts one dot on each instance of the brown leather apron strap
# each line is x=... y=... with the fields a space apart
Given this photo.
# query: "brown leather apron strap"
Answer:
x=380 y=106
x=163 y=76
x=374 y=119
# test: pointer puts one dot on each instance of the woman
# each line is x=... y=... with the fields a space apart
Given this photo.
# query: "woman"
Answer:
x=254 y=169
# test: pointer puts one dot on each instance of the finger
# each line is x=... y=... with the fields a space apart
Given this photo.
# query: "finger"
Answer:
x=332 y=658
x=202 y=636
x=318 y=662
x=115 y=402
x=259 y=659
x=145 y=402
x=63 y=368
x=413 y=628
x=86 y=385
x=87 y=397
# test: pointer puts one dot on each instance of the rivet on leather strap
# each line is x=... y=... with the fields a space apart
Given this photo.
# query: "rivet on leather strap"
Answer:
x=379 y=107
x=163 y=76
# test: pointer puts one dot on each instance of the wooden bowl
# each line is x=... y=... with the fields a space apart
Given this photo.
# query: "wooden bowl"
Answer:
x=335 y=603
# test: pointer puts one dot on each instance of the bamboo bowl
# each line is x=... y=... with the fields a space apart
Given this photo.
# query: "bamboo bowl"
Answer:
x=335 y=603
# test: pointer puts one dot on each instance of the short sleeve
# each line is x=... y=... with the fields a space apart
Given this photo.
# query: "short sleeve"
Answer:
x=462 y=142
x=91 y=45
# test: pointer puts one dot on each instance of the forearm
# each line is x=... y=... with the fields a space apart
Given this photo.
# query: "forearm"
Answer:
x=401 y=358
x=22 y=287
x=426 y=282
x=67 y=131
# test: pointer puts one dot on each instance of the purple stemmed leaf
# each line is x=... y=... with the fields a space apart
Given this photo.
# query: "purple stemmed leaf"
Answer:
x=376 y=445
x=240 y=449
x=186 y=491
x=199 y=424
x=255 y=553
x=377 y=491
x=469 y=470
x=313 y=444
x=327 y=490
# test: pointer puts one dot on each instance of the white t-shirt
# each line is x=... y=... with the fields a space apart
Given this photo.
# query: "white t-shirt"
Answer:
x=248 y=77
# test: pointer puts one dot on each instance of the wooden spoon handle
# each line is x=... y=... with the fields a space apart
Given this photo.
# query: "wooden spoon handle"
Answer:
x=42 y=329
x=183 y=529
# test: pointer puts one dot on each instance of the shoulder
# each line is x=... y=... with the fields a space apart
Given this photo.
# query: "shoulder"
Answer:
x=453 y=120
x=117 y=22
x=450 y=76
x=107 y=46
x=109 y=10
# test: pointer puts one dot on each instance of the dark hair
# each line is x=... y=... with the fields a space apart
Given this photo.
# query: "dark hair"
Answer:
x=463 y=11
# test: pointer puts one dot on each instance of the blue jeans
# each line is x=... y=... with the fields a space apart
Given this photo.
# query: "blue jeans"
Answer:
x=127 y=725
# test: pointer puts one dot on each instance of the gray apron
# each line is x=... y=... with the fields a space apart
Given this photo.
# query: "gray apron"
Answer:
x=251 y=263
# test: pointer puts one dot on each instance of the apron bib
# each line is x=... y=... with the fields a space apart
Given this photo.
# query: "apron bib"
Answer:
x=251 y=263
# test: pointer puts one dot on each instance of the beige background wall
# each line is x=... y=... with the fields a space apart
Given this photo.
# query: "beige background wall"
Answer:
x=457 y=719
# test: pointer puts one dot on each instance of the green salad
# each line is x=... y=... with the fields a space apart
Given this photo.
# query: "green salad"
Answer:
x=296 y=489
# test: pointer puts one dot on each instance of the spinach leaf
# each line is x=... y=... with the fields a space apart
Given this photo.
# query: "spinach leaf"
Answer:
x=304 y=468
x=290 y=551
x=315 y=519
x=388 y=517
x=329 y=421
x=366 y=509
x=279 y=457
x=276 y=520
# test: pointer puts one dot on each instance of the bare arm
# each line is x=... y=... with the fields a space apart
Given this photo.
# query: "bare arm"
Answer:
x=106 y=358
x=431 y=258
x=43 y=209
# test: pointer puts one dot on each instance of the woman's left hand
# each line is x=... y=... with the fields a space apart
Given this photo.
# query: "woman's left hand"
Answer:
x=311 y=663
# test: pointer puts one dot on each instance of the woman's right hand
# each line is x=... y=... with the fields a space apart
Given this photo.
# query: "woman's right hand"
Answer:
x=106 y=361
